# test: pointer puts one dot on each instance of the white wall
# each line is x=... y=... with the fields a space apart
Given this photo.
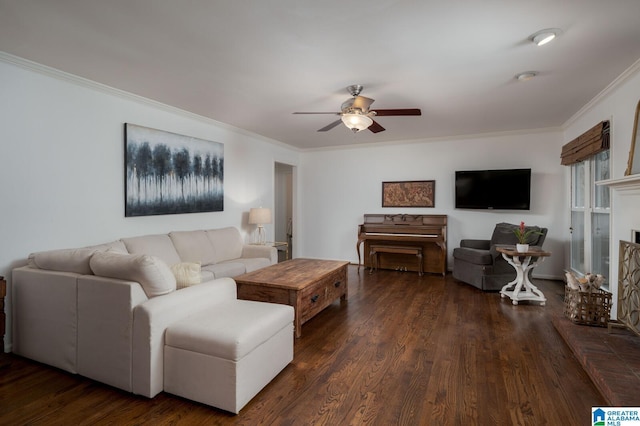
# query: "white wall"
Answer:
x=62 y=178
x=341 y=185
x=617 y=104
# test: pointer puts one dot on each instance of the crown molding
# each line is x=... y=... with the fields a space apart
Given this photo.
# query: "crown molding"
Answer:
x=108 y=90
x=619 y=81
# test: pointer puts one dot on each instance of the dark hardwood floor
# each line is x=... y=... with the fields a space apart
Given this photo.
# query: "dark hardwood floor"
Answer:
x=404 y=350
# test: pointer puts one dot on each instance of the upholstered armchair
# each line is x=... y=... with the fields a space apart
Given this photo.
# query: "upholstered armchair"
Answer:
x=477 y=262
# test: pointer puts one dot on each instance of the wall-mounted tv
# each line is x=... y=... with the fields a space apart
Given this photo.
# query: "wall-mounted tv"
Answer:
x=508 y=189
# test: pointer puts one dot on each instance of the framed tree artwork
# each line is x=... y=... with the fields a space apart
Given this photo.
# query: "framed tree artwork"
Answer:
x=167 y=173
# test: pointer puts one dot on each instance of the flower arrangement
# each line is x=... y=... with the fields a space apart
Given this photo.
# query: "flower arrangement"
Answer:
x=522 y=234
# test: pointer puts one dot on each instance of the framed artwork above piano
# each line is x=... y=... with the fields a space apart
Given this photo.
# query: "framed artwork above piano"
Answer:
x=428 y=231
x=415 y=193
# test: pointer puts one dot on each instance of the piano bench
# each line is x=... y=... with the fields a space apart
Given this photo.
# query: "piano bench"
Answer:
x=376 y=249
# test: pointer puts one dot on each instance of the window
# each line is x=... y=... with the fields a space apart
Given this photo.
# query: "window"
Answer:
x=590 y=212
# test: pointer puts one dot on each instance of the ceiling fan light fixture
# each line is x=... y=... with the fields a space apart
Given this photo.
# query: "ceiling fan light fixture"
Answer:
x=356 y=122
x=543 y=37
x=356 y=115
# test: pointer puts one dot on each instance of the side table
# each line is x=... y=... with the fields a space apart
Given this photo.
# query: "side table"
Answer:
x=522 y=288
x=281 y=245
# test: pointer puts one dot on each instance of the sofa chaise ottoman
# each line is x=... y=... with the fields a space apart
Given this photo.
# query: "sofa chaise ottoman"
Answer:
x=224 y=357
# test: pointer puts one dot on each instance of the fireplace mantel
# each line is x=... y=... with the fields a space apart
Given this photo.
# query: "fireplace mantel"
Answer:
x=628 y=185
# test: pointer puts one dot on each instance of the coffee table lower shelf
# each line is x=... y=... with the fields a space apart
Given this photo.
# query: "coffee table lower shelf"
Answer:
x=309 y=285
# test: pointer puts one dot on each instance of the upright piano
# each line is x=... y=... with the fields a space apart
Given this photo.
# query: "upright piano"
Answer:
x=426 y=231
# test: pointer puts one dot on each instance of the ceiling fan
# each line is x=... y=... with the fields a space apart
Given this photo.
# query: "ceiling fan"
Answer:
x=357 y=116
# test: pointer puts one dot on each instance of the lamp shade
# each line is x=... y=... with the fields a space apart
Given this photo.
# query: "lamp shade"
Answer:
x=356 y=122
x=259 y=216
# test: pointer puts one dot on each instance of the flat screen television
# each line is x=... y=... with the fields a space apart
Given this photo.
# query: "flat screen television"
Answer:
x=508 y=189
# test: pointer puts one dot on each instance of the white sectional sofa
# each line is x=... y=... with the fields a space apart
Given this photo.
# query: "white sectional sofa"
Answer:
x=104 y=312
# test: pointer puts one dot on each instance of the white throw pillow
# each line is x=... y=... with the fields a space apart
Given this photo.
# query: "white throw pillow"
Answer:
x=151 y=272
x=187 y=274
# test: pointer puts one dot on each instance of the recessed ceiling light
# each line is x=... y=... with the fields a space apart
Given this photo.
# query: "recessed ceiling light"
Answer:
x=526 y=76
x=543 y=37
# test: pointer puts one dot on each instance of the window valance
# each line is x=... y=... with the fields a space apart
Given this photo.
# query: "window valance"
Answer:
x=589 y=143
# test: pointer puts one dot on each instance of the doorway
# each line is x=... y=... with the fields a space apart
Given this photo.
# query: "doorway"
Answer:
x=283 y=209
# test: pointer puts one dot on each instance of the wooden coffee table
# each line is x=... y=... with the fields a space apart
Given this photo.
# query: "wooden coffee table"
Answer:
x=309 y=285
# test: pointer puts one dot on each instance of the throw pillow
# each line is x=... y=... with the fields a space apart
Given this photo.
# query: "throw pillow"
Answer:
x=151 y=272
x=65 y=260
x=187 y=274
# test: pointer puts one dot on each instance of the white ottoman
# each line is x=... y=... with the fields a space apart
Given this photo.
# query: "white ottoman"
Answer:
x=224 y=356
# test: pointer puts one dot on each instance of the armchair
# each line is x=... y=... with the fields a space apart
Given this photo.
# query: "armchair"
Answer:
x=477 y=262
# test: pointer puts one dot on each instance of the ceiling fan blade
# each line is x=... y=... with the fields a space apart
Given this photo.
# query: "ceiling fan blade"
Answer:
x=333 y=113
x=330 y=126
x=362 y=103
x=405 y=111
x=375 y=127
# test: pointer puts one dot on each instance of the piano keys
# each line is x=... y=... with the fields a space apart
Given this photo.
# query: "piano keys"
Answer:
x=426 y=231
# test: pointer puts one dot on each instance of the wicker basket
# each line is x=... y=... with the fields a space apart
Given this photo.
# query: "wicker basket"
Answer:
x=587 y=308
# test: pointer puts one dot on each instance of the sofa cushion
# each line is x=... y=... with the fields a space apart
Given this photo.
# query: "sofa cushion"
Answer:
x=206 y=276
x=227 y=243
x=475 y=243
x=117 y=246
x=193 y=246
x=151 y=272
x=471 y=255
x=64 y=260
x=230 y=330
x=253 y=263
x=226 y=269
x=504 y=234
x=154 y=245
x=187 y=274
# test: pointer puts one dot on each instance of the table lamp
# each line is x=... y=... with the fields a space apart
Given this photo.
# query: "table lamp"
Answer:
x=260 y=216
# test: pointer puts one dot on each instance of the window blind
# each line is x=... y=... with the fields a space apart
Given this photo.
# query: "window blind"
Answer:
x=588 y=144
